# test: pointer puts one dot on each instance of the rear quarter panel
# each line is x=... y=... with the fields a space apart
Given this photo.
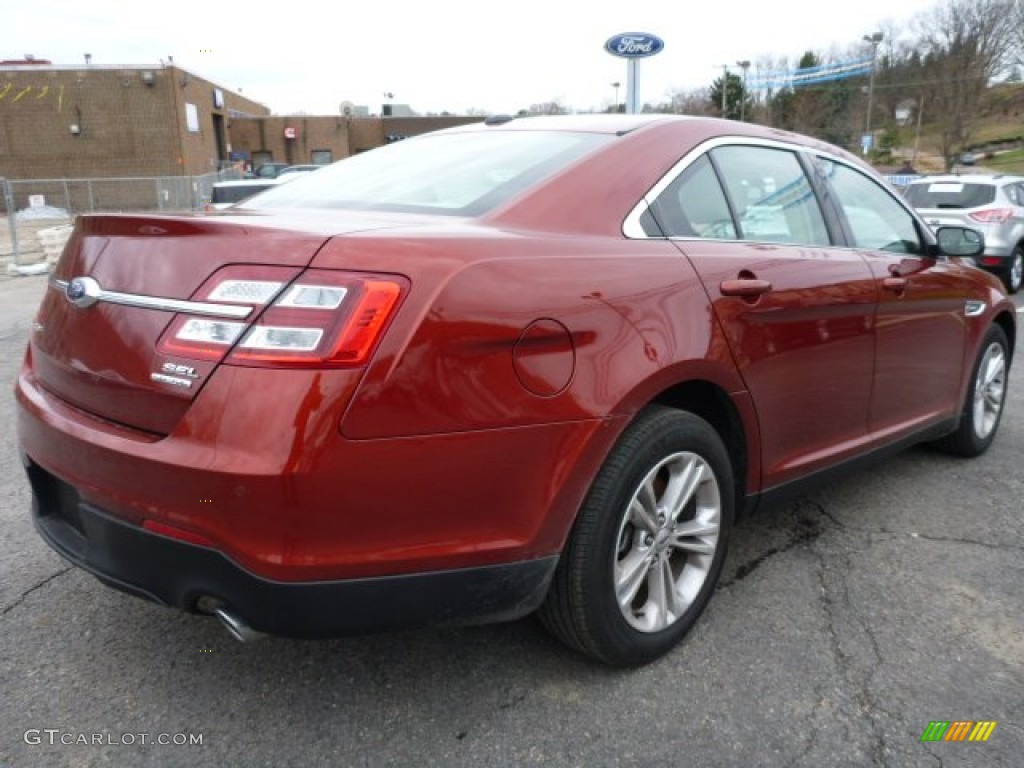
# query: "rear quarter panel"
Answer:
x=636 y=317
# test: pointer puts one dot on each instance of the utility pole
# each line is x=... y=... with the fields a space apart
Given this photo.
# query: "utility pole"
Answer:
x=725 y=85
x=917 y=134
x=874 y=40
x=744 y=65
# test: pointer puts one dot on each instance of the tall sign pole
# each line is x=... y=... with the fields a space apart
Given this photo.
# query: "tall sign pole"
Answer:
x=633 y=46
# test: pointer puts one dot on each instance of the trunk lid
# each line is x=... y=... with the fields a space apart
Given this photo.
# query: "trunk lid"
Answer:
x=103 y=356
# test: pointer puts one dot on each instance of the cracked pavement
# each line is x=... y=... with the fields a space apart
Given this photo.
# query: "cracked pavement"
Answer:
x=843 y=625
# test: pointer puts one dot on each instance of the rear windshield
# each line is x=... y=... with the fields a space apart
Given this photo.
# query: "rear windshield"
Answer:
x=235 y=193
x=462 y=174
x=950 y=194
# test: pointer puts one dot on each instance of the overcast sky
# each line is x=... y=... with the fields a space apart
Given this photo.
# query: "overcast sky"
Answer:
x=439 y=54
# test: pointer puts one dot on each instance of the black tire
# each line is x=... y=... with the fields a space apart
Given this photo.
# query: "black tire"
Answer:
x=978 y=426
x=1014 y=274
x=608 y=540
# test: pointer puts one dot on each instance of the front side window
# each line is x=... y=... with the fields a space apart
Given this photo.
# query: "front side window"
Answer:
x=771 y=195
x=877 y=221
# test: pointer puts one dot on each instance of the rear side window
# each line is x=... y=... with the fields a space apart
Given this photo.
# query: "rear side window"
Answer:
x=771 y=195
x=694 y=205
x=950 y=194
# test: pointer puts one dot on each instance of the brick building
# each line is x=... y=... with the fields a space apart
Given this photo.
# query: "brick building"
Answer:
x=101 y=121
x=60 y=122
x=321 y=139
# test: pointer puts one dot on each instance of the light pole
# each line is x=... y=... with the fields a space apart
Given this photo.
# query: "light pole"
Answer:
x=616 y=85
x=874 y=40
x=744 y=65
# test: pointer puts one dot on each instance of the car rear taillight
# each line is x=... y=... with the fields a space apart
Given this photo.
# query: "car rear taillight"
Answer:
x=993 y=215
x=209 y=337
x=320 y=318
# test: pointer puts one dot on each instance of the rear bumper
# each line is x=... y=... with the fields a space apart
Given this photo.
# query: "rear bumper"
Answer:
x=177 y=574
x=997 y=261
x=288 y=499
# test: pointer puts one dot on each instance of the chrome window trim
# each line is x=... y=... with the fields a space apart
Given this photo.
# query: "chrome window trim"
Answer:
x=162 y=304
x=632 y=230
x=631 y=226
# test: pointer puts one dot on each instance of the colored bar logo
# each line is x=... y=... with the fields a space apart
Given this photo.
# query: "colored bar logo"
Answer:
x=958 y=730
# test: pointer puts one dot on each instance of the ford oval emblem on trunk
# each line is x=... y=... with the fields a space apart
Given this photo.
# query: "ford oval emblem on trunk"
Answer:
x=634 y=45
x=83 y=292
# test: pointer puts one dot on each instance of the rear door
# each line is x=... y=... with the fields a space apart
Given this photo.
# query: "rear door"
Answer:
x=798 y=312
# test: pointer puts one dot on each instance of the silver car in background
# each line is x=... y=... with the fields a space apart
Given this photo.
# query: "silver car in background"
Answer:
x=991 y=204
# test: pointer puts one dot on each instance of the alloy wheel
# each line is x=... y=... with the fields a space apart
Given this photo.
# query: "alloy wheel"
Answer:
x=989 y=390
x=667 y=541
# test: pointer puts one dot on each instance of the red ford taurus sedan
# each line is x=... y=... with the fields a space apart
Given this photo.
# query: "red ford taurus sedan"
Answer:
x=532 y=364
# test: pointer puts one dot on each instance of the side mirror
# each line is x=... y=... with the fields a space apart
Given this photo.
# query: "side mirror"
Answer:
x=960 y=241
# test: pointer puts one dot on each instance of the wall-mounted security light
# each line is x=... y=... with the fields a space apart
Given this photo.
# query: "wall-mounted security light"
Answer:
x=75 y=129
x=147 y=76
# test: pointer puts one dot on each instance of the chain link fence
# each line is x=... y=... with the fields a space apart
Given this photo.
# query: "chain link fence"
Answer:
x=37 y=214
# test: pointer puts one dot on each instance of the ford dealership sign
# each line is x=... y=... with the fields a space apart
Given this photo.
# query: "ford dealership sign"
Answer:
x=634 y=45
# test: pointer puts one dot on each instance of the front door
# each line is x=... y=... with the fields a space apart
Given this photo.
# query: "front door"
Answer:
x=921 y=328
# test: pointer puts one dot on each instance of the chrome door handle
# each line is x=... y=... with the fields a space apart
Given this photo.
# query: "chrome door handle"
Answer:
x=744 y=287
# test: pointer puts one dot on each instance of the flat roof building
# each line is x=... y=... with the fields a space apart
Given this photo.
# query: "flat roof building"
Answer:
x=108 y=121
x=61 y=122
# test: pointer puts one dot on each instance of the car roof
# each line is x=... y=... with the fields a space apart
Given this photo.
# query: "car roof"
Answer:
x=590 y=123
x=969 y=178
x=625 y=124
x=246 y=183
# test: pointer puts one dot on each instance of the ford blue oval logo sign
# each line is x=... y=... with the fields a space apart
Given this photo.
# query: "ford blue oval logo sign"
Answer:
x=634 y=45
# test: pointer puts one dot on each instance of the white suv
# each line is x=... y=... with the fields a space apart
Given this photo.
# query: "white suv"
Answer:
x=993 y=205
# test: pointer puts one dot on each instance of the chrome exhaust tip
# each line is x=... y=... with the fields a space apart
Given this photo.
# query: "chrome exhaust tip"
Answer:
x=237 y=627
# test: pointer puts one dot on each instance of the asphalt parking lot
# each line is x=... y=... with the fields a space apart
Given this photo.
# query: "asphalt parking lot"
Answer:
x=844 y=625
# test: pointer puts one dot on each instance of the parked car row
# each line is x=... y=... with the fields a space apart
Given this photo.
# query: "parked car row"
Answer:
x=227 y=193
x=274 y=170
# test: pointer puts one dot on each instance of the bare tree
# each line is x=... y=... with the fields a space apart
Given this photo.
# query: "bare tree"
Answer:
x=686 y=102
x=965 y=43
x=554 y=107
x=1018 y=21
